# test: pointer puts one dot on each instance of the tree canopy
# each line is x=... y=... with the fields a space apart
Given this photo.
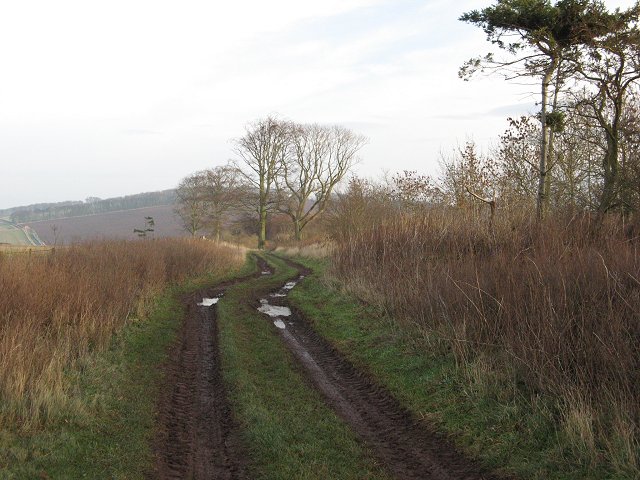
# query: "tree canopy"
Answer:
x=577 y=40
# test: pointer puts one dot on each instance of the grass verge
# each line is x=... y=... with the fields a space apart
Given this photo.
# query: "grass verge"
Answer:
x=486 y=417
x=288 y=429
x=107 y=430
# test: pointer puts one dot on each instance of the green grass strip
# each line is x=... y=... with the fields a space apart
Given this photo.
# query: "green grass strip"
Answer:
x=107 y=432
x=290 y=432
x=494 y=423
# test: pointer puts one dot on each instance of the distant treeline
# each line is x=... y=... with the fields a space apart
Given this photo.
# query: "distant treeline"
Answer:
x=92 y=205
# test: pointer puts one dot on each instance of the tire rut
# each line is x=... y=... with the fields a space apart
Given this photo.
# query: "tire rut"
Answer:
x=410 y=448
x=197 y=436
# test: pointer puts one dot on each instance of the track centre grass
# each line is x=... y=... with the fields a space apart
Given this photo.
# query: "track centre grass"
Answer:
x=494 y=425
x=289 y=431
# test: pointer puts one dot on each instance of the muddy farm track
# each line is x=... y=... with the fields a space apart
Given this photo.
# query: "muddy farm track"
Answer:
x=199 y=439
x=197 y=436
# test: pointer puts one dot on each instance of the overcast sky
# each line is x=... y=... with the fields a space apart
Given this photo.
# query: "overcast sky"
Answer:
x=123 y=96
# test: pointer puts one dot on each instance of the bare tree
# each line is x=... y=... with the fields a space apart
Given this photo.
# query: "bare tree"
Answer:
x=205 y=199
x=611 y=66
x=320 y=158
x=517 y=156
x=360 y=205
x=224 y=192
x=262 y=153
x=467 y=170
x=577 y=174
x=630 y=156
x=191 y=202
x=413 y=191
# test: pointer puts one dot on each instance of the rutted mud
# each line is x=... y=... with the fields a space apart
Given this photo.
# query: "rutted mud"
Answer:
x=408 y=447
x=198 y=437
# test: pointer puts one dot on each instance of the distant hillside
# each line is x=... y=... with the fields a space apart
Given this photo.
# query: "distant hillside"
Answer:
x=91 y=206
x=118 y=224
x=13 y=234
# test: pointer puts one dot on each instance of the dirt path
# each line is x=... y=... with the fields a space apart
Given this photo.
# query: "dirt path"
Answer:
x=197 y=436
x=409 y=448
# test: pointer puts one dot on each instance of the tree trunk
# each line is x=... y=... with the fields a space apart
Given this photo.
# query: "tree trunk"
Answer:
x=297 y=230
x=217 y=225
x=610 y=164
x=625 y=195
x=544 y=142
x=548 y=177
x=262 y=234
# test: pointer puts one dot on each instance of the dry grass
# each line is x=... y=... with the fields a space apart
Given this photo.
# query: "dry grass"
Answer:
x=312 y=250
x=558 y=304
x=24 y=249
x=56 y=308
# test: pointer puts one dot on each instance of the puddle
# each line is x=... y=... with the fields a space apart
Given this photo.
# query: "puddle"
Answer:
x=292 y=283
x=266 y=272
x=207 y=302
x=274 y=310
x=289 y=285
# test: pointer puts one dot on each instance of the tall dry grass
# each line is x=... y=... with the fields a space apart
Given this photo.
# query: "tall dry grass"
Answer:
x=311 y=250
x=556 y=305
x=56 y=308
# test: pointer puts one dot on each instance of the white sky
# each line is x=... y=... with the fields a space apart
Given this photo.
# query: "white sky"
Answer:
x=125 y=96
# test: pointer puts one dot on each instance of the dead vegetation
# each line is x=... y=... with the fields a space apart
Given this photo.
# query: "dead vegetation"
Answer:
x=57 y=308
x=551 y=308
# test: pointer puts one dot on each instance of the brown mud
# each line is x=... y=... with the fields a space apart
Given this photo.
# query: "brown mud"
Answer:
x=410 y=448
x=197 y=436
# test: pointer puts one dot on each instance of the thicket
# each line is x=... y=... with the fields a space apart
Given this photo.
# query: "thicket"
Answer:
x=545 y=309
x=58 y=307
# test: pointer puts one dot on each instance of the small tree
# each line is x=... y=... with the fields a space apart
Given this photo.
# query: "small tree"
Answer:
x=224 y=192
x=466 y=170
x=205 y=198
x=363 y=203
x=517 y=156
x=149 y=227
x=412 y=190
x=191 y=202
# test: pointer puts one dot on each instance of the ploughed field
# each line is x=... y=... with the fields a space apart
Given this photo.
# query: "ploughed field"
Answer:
x=110 y=225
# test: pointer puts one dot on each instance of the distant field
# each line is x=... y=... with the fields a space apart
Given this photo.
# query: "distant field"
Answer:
x=30 y=249
x=12 y=234
x=108 y=225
